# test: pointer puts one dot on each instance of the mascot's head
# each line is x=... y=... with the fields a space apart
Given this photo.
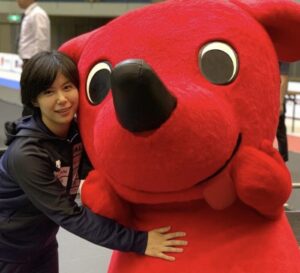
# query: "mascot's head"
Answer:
x=170 y=92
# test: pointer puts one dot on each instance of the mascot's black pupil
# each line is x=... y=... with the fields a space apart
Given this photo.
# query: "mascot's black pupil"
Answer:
x=99 y=86
x=217 y=67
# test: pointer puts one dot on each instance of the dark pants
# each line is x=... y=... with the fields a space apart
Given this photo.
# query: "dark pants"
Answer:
x=282 y=137
x=45 y=263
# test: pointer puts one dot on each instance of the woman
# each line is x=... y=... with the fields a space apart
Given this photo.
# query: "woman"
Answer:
x=39 y=178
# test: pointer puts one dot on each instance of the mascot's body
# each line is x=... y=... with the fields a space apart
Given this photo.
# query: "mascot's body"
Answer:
x=183 y=135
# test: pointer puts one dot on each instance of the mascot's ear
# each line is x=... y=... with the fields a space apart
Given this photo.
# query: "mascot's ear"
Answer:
x=281 y=19
x=74 y=47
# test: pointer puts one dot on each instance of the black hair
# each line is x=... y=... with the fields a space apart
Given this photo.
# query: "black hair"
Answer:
x=40 y=72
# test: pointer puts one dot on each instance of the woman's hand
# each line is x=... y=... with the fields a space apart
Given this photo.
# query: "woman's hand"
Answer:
x=159 y=242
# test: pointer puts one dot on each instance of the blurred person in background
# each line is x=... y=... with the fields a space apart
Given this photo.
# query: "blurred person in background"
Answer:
x=281 y=134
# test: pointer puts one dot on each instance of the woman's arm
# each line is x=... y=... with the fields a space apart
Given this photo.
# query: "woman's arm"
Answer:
x=34 y=174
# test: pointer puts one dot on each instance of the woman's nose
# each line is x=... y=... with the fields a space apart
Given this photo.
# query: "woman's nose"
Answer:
x=61 y=98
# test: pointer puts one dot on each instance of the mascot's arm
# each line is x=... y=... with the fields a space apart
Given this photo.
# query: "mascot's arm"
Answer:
x=262 y=180
x=99 y=196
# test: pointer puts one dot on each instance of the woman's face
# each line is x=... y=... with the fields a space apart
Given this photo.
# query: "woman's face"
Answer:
x=58 y=105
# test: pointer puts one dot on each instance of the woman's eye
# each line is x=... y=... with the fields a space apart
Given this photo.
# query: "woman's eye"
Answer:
x=47 y=92
x=98 y=83
x=218 y=63
x=68 y=87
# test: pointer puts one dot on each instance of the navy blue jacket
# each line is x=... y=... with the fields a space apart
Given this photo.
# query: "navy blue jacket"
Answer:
x=38 y=184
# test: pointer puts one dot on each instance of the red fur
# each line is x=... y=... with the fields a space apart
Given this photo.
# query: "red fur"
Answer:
x=235 y=220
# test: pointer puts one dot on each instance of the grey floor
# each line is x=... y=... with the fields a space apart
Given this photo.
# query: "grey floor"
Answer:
x=79 y=256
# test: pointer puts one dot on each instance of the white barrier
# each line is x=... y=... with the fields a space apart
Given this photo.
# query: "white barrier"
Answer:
x=10 y=63
x=10 y=70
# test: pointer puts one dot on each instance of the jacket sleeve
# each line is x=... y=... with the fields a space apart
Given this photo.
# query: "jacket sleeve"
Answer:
x=31 y=169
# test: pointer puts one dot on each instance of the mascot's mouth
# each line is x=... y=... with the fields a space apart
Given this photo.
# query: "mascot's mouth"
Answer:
x=192 y=193
x=237 y=145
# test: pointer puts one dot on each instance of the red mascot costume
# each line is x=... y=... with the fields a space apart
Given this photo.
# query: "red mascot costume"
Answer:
x=179 y=103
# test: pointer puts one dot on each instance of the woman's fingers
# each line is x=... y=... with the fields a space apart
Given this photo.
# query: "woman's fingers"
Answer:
x=173 y=249
x=166 y=257
x=170 y=250
x=174 y=235
x=175 y=243
x=162 y=229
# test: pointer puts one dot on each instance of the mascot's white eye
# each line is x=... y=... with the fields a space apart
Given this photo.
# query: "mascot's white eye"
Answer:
x=218 y=63
x=98 y=82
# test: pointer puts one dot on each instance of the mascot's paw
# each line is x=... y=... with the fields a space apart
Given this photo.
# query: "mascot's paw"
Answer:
x=99 y=196
x=262 y=179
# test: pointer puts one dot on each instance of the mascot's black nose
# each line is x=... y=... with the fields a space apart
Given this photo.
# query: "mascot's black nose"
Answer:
x=141 y=101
